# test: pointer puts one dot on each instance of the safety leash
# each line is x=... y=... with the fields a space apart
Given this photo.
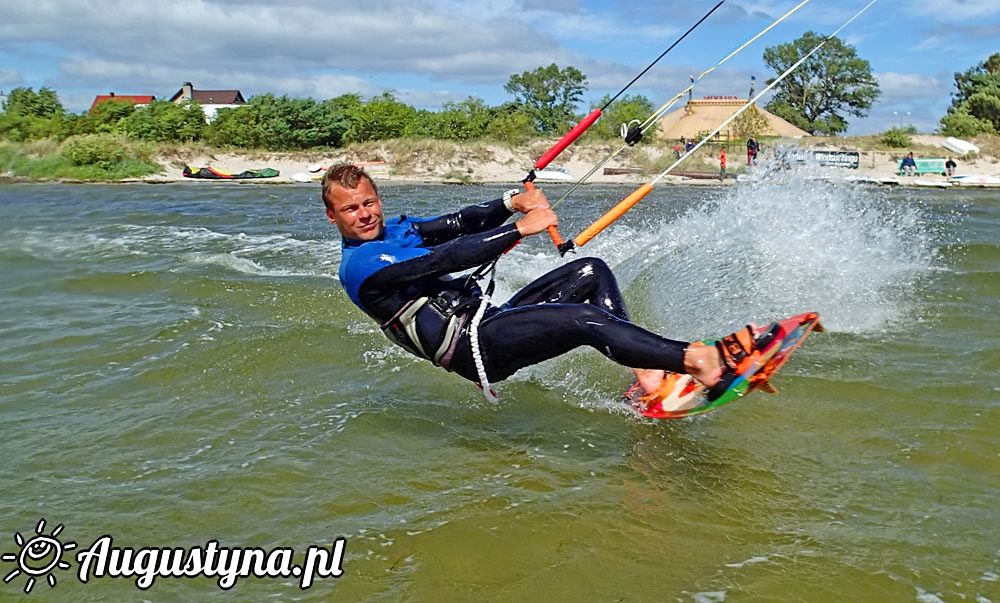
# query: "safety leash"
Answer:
x=477 y=355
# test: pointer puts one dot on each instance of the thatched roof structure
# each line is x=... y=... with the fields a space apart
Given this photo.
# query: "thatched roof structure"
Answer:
x=704 y=115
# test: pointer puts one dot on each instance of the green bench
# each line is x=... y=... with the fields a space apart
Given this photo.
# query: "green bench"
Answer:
x=924 y=166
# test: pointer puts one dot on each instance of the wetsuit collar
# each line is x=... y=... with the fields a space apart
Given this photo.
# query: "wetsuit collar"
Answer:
x=345 y=242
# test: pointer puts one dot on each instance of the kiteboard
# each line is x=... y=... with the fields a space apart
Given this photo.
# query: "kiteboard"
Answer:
x=681 y=396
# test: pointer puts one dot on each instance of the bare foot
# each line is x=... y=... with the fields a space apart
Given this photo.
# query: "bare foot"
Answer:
x=650 y=380
x=704 y=363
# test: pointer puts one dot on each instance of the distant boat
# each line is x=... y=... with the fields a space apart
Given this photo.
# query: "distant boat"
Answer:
x=555 y=173
x=975 y=180
x=959 y=146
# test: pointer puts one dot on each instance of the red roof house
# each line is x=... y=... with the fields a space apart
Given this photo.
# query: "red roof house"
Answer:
x=140 y=100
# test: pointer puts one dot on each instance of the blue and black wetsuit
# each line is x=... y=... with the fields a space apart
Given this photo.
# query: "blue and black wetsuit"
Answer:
x=403 y=281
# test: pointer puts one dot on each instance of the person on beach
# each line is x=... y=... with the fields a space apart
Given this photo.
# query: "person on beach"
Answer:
x=399 y=272
x=722 y=164
x=752 y=148
x=949 y=167
x=908 y=167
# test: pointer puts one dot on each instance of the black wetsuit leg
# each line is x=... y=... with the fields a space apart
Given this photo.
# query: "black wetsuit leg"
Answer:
x=586 y=280
x=575 y=305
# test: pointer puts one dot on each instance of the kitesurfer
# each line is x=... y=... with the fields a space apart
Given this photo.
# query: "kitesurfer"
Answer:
x=399 y=272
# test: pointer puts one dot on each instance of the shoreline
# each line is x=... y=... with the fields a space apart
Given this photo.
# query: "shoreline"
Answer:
x=443 y=162
x=446 y=162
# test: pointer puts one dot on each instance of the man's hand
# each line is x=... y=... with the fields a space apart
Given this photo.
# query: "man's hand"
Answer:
x=529 y=200
x=536 y=220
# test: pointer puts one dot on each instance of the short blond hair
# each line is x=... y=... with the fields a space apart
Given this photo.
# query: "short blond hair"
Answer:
x=345 y=175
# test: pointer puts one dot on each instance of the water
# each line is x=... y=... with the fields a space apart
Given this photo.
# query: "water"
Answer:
x=180 y=365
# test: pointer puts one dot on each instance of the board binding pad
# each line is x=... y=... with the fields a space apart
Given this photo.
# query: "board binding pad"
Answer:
x=793 y=331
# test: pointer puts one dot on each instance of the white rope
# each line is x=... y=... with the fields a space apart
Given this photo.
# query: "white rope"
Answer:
x=666 y=106
x=657 y=114
x=477 y=355
x=753 y=100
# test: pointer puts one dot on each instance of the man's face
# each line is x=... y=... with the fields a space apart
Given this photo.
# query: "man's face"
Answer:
x=357 y=212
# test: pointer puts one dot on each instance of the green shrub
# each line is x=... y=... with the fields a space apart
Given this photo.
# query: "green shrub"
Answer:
x=985 y=107
x=164 y=121
x=897 y=138
x=511 y=125
x=101 y=150
x=961 y=124
x=381 y=118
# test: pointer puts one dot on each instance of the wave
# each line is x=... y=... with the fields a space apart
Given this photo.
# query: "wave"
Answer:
x=761 y=250
x=255 y=254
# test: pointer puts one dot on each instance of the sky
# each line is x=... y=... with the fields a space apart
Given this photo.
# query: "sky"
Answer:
x=428 y=52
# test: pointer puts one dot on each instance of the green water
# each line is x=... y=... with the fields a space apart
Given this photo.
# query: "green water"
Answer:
x=180 y=365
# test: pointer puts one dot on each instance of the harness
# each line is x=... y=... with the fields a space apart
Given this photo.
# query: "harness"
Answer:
x=449 y=307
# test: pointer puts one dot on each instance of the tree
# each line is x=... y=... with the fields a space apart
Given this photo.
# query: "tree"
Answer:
x=832 y=82
x=550 y=95
x=623 y=111
x=164 y=121
x=961 y=124
x=465 y=120
x=107 y=116
x=985 y=106
x=290 y=123
x=975 y=105
x=338 y=112
x=279 y=123
x=26 y=102
x=750 y=123
x=510 y=123
x=30 y=115
x=984 y=77
x=381 y=118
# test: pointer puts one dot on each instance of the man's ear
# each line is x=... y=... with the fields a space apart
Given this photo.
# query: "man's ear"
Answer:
x=329 y=215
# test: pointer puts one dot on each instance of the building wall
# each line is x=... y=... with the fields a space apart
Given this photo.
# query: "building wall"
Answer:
x=211 y=110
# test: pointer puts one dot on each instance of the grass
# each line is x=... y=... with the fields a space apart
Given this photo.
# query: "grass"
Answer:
x=41 y=160
x=704 y=160
x=873 y=144
x=457 y=176
x=989 y=145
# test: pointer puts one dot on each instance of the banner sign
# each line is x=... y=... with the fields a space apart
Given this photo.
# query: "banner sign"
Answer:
x=843 y=159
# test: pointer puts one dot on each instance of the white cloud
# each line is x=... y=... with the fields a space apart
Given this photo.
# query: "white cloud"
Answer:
x=164 y=81
x=305 y=47
x=955 y=10
x=910 y=88
x=10 y=77
x=906 y=99
x=380 y=37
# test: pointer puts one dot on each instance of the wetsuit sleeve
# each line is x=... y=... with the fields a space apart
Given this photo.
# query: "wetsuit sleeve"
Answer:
x=459 y=254
x=471 y=220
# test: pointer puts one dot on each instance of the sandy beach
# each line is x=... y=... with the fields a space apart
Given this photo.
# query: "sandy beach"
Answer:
x=495 y=163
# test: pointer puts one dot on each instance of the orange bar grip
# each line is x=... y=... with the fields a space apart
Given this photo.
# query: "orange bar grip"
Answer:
x=613 y=214
x=567 y=139
x=557 y=239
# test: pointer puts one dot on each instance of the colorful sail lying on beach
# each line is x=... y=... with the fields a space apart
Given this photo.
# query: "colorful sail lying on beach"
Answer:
x=214 y=174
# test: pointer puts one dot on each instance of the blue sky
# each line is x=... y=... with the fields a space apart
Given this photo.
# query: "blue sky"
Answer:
x=432 y=51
